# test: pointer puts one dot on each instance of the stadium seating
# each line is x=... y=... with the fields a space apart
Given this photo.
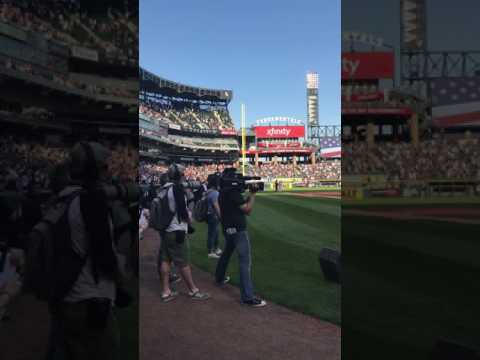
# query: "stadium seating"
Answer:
x=188 y=118
x=440 y=157
x=114 y=33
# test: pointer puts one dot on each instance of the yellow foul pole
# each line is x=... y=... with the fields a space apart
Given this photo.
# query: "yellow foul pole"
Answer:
x=244 y=138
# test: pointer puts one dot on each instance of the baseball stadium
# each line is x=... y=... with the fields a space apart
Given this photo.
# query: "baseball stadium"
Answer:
x=296 y=215
x=410 y=194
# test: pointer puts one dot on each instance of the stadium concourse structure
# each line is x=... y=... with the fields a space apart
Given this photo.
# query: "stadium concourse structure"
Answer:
x=62 y=62
x=62 y=81
x=192 y=125
x=185 y=124
x=66 y=82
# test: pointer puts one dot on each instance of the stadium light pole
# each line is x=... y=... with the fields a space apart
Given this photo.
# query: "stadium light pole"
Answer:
x=244 y=135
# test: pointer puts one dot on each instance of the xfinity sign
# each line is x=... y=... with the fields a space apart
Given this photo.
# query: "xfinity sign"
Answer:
x=349 y=67
x=273 y=132
x=368 y=65
x=279 y=132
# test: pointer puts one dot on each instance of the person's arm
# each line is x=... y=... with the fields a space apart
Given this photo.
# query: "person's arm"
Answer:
x=248 y=206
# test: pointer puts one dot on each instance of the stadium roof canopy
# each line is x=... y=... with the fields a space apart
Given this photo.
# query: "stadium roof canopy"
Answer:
x=154 y=83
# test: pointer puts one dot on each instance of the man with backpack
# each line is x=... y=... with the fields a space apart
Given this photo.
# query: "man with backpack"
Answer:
x=171 y=217
x=74 y=265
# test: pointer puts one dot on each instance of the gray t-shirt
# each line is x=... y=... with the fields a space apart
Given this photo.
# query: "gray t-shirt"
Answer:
x=85 y=287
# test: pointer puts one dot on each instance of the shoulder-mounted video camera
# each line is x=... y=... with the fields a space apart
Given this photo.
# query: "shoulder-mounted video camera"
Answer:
x=233 y=181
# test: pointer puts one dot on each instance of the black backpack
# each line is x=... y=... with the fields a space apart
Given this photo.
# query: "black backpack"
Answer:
x=52 y=266
x=200 y=210
x=160 y=214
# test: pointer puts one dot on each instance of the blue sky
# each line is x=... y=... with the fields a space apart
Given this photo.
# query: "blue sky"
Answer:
x=260 y=49
x=451 y=25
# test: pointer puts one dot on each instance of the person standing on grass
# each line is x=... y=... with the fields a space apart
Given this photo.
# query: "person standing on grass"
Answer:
x=173 y=246
x=173 y=277
x=233 y=210
x=213 y=216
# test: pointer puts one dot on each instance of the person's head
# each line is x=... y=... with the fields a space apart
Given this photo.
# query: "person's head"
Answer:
x=176 y=173
x=213 y=181
x=89 y=162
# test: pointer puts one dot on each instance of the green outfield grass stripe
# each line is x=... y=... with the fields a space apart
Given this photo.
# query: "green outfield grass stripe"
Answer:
x=325 y=206
x=428 y=290
x=428 y=237
x=296 y=225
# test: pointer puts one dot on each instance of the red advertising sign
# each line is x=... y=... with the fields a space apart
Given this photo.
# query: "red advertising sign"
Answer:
x=377 y=111
x=375 y=96
x=279 y=132
x=368 y=65
x=228 y=132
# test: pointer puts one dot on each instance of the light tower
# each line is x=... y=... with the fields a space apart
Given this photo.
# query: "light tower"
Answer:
x=312 y=102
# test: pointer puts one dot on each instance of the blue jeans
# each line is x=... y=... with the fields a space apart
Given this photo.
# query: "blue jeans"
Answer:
x=241 y=242
x=212 y=240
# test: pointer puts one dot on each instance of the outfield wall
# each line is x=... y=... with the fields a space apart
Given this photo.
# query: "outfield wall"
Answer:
x=358 y=190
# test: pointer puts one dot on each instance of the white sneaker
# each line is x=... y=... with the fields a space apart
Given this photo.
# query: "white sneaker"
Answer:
x=213 y=256
x=218 y=251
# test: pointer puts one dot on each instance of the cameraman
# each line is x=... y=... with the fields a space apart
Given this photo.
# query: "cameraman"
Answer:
x=173 y=247
x=233 y=210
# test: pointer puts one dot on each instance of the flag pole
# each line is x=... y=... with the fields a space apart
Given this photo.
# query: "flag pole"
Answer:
x=244 y=145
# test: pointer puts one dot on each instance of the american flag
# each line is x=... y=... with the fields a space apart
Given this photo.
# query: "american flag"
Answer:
x=456 y=102
x=330 y=147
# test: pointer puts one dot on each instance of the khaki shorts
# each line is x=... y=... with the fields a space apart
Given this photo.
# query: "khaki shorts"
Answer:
x=173 y=249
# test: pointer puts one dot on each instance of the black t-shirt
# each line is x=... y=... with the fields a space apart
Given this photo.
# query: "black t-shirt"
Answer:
x=232 y=215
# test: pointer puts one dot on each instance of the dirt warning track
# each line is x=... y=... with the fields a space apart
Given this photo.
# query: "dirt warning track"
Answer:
x=445 y=214
x=318 y=194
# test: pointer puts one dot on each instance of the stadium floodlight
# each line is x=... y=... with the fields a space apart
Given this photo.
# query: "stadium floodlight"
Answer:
x=312 y=80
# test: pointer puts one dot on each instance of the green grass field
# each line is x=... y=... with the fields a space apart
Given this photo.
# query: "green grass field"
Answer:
x=287 y=234
x=408 y=283
x=303 y=189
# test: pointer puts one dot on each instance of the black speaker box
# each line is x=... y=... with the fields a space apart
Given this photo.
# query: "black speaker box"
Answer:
x=330 y=264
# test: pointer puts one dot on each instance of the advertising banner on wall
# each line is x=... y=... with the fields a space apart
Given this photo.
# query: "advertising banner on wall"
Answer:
x=228 y=132
x=368 y=65
x=279 y=132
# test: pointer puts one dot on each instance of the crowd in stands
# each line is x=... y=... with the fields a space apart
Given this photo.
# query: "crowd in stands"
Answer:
x=440 y=157
x=113 y=33
x=188 y=118
x=308 y=173
x=30 y=162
